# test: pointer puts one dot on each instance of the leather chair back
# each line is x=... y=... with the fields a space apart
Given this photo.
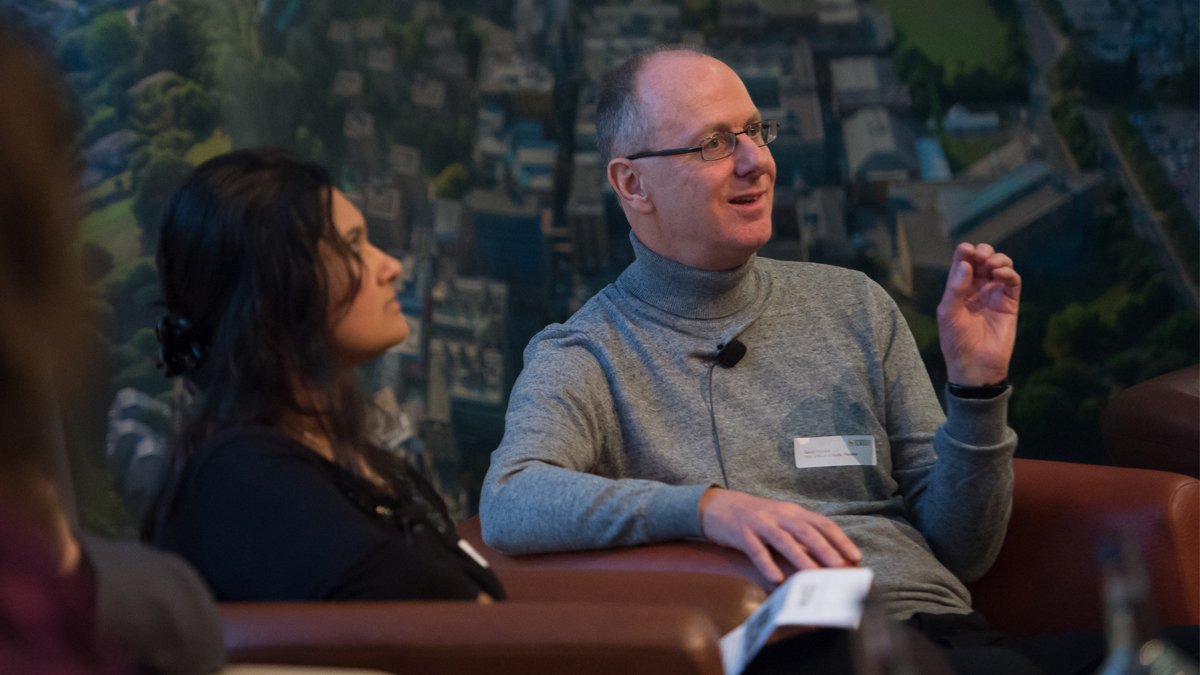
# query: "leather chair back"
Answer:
x=1156 y=424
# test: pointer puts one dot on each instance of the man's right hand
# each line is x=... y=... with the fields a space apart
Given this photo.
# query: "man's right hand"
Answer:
x=756 y=526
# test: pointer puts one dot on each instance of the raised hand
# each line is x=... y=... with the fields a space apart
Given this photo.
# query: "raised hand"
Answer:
x=977 y=316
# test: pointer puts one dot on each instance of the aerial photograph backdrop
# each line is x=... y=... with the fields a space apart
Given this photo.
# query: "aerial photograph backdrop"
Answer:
x=1063 y=132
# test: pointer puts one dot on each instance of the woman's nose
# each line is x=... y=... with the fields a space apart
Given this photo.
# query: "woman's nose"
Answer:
x=390 y=268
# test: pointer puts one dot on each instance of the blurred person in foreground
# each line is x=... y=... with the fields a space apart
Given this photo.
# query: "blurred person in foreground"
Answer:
x=69 y=601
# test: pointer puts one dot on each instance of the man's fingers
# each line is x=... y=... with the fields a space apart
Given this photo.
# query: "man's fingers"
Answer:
x=803 y=552
x=958 y=283
x=758 y=527
x=987 y=269
x=838 y=538
x=824 y=540
x=999 y=261
x=1008 y=276
x=761 y=557
x=976 y=264
x=963 y=251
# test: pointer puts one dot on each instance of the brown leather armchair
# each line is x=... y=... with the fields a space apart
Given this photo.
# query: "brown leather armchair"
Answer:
x=555 y=621
x=1156 y=424
x=433 y=637
x=1045 y=579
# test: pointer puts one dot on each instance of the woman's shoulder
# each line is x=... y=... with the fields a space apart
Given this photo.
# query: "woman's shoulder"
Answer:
x=250 y=449
x=245 y=470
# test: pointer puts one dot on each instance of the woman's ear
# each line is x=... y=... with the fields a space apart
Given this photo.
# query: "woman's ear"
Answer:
x=629 y=185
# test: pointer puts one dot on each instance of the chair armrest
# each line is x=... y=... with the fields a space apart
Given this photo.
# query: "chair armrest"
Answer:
x=726 y=600
x=456 y=637
x=1046 y=578
x=693 y=556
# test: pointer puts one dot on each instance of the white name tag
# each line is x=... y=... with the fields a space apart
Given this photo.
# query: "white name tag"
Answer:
x=812 y=453
x=475 y=555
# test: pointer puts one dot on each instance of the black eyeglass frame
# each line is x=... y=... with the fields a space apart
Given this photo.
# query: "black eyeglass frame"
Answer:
x=765 y=128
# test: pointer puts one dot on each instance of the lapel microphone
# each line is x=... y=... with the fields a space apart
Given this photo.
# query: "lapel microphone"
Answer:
x=730 y=353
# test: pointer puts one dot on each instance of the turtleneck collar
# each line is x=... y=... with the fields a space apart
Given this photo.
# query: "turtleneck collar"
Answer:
x=684 y=291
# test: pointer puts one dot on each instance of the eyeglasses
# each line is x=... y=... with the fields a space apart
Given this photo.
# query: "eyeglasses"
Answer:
x=723 y=143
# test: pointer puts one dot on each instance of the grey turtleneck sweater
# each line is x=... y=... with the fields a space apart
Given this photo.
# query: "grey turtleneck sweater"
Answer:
x=621 y=420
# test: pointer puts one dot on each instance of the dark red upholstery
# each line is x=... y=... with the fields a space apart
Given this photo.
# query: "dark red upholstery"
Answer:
x=453 y=638
x=1156 y=424
x=725 y=600
x=556 y=621
x=1045 y=579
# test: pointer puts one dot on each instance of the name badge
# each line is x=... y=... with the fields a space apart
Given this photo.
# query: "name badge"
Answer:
x=475 y=555
x=812 y=453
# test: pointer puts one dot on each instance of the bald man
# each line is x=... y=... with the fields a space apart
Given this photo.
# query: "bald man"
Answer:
x=773 y=407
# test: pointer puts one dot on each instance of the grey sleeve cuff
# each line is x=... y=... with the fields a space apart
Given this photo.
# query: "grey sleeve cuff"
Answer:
x=675 y=512
x=981 y=423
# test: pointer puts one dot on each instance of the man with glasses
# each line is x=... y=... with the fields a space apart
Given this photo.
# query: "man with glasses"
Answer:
x=768 y=406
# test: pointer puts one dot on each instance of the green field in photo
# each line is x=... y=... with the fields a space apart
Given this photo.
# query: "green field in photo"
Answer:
x=954 y=33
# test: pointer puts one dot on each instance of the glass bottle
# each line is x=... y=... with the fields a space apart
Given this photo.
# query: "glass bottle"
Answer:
x=1132 y=647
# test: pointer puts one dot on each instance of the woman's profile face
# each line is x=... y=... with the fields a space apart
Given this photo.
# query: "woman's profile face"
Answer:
x=368 y=324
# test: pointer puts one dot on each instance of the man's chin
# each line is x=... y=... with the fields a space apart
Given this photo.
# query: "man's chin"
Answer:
x=737 y=252
x=755 y=234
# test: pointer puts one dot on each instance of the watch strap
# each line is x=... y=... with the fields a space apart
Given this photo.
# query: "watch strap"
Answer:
x=978 y=392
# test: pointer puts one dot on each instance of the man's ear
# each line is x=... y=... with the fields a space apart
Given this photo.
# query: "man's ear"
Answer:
x=627 y=182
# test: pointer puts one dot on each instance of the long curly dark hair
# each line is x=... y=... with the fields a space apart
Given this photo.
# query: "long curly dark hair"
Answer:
x=249 y=312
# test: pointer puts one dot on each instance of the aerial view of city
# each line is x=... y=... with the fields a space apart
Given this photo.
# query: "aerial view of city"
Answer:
x=1064 y=132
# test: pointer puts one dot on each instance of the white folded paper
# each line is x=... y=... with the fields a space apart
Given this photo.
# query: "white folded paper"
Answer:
x=821 y=598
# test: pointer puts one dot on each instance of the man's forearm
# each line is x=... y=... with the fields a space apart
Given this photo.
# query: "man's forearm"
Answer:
x=965 y=504
x=542 y=508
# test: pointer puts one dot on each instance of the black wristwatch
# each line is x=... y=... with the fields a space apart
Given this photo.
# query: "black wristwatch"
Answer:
x=982 y=391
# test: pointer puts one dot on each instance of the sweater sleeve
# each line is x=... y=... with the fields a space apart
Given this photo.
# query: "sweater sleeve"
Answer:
x=261 y=519
x=155 y=606
x=547 y=488
x=954 y=471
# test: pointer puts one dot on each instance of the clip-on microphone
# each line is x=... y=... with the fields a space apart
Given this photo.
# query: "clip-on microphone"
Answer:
x=729 y=354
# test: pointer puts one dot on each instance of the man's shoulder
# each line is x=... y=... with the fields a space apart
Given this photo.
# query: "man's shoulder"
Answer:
x=589 y=323
x=815 y=278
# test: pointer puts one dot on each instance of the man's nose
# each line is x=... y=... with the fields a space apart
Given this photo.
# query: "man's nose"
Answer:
x=751 y=158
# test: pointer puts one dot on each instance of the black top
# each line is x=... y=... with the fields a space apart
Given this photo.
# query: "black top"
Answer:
x=262 y=517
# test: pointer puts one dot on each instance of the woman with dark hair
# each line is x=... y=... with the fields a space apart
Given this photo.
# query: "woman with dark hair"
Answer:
x=274 y=294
